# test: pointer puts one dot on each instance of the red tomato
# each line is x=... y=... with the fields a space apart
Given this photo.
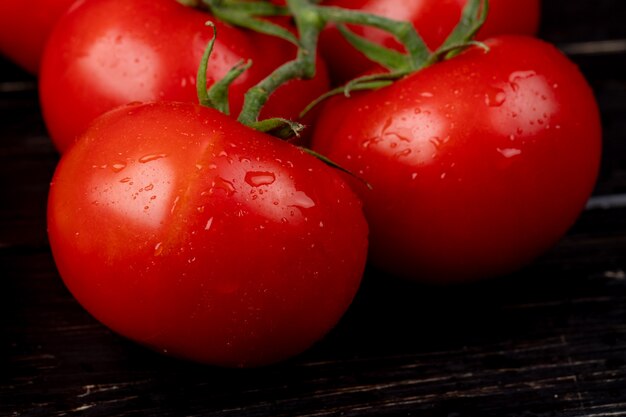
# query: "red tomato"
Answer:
x=106 y=53
x=478 y=164
x=194 y=235
x=433 y=19
x=25 y=27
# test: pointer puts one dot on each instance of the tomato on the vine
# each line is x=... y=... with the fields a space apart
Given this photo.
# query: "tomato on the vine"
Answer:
x=478 y=164
x=190 y=233
x=433 y=19
x=105 y=53
x=25 y=27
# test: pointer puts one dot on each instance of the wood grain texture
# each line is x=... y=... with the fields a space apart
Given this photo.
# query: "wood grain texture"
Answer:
x=547 y=341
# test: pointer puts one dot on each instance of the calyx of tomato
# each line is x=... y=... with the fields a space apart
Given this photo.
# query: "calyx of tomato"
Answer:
x=216 y=97
x=310 y=19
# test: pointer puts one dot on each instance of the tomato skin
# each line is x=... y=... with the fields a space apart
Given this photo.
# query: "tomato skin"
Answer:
x=106 y=53
x=25 y=27
x=433 y=19
x=478 y=164
x=187 y=232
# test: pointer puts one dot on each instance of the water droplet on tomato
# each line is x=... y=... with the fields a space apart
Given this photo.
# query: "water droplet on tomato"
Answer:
x=509 y=152
x=495 y=97
x=208 y=224
x=404 y=153
x=158 y=249
x=259 y=178
x=521 y=75
x=222 y=184
x=151 y=157
x=149 y=187
x=301 y=200
x=118 y=166
x=125 y=180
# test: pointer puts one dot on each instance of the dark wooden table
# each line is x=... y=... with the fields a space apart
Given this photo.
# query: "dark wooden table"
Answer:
x=547 y=341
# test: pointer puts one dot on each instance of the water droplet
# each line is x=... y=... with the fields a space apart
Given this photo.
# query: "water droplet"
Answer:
x=208 y=224
x=174 y=205
x=158 y=249
x=403 y=153
x=414 y=175
x=151 y=157
x=259 y=178
x=521 y=75
x=495 y=97
x=509 y=152
x=125 y=180
x=223 y=184
x=301 y=200
x=118 y=166
x=148 y=187
x=427 y=94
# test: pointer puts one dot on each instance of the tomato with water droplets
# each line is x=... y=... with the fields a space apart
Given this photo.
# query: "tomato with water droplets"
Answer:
x=106 y=53
x=194 y=235
x=477 y=164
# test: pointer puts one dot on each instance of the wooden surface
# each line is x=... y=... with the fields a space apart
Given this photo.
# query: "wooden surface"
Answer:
x=547 y=341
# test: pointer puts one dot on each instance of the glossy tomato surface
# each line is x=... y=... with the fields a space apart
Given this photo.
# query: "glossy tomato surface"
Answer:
x=478 y=164
x=25 y=27
x=433 y=19
x=189 y=233
x=106 y=53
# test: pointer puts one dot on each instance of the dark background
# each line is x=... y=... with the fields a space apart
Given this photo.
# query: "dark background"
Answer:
x=547 y=341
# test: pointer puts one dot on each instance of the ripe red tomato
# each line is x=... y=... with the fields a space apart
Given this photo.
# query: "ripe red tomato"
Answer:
x=106 y=53
x=194 y=235
x=25 y=27
x=433 y=19
x=478 y=164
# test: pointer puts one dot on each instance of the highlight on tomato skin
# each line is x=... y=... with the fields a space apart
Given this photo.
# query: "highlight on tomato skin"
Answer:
x=478 y=164
x=107 y=53
x=189 y=233
x=433 y=19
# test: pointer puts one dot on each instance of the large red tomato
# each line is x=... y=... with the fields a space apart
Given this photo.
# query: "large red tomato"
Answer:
x=25 y=27
x=478 y=164
x=106 y=53
x=192 y=234
x=433 y=19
